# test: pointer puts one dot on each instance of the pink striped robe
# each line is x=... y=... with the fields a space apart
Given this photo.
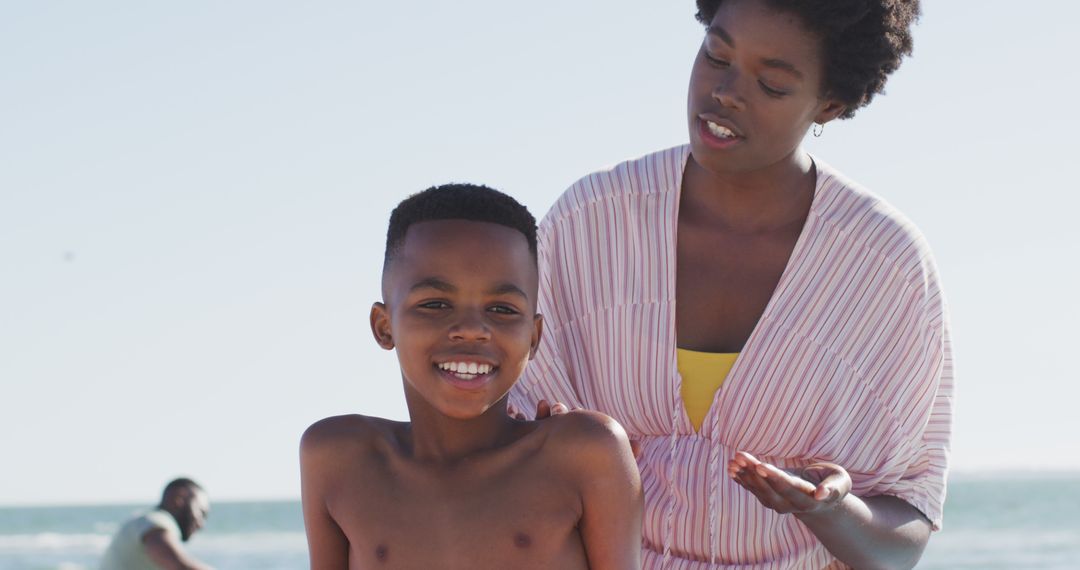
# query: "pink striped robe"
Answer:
x=850 y=362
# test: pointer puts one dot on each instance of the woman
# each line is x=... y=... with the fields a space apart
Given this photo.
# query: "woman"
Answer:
x=772 y=335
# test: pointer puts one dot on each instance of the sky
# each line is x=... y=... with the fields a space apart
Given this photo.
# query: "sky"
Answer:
x=193 y=203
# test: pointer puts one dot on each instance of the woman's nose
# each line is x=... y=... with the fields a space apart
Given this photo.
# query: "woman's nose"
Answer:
x=726 y=92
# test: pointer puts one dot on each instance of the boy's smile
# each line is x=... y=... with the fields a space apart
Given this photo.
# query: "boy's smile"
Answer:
x=466 y=374
x=460 y=310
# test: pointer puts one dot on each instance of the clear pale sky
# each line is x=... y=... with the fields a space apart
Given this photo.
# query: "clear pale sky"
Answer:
x=193 y=202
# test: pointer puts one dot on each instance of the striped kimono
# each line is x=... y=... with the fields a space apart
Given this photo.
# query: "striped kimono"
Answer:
x=850 y=362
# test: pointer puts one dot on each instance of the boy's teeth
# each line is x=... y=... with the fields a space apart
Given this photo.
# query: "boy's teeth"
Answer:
x=720 y=130
x=472 y=369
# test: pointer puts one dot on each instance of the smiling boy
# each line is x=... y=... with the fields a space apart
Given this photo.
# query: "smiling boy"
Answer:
x=463 y=485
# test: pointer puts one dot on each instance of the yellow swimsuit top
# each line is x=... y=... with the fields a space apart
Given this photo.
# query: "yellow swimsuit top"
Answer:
x=702 y=375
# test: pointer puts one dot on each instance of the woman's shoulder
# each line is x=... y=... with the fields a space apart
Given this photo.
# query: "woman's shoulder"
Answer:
x=857 y=216
x=654 y=173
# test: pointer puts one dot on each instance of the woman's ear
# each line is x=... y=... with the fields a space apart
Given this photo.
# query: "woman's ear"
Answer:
x=380 y=326
x=830 y=111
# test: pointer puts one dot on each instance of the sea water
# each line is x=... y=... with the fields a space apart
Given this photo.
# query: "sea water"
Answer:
x=240 y=536
x=1015 y=522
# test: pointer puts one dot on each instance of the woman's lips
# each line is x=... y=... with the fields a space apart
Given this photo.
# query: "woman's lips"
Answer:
x=717 y=135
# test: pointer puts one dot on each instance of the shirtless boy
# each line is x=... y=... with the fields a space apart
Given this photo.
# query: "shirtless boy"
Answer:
x=463 y=485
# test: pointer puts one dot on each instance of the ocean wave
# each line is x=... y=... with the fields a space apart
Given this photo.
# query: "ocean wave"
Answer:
x=53 y=541
x=262 y=542
x=207 y=542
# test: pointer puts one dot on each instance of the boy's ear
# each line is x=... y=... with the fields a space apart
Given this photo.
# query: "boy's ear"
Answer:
x=538 y=332
x=380 y=326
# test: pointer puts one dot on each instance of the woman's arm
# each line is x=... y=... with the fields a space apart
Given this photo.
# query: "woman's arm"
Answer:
x=871 y=532
x=903 y=449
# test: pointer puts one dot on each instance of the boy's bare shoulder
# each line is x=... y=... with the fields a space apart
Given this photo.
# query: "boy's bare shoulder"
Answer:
x=589 y=438
x=586 y=424
x=354 y=431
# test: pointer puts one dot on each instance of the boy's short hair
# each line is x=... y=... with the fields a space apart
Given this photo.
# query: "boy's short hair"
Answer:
x=458 y=202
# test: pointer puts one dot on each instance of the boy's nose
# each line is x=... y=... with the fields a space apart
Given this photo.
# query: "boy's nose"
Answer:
x=470 y=328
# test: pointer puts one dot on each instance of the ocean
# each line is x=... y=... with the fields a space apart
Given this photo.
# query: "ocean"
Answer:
x=1015 y=522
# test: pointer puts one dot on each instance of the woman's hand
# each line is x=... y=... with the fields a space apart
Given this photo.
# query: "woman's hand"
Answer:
x=872 y=532
x=816 y=488
x=544 y=410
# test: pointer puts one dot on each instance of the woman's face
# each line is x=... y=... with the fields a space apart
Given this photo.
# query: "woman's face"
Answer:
x=755 y=88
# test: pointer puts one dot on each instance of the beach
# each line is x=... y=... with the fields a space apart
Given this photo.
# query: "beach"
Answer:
x=991 y=522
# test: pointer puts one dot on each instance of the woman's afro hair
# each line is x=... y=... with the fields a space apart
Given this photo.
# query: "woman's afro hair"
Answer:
x=863 y=41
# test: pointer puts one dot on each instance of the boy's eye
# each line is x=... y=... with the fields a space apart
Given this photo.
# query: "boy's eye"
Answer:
x=503 y=310
x=771 y=91
x=434 y=305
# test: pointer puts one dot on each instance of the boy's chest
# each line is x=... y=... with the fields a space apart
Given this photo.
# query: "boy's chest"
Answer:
x=416 y=519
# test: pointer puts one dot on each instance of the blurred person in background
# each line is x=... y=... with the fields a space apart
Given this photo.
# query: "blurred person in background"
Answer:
x=152 y=540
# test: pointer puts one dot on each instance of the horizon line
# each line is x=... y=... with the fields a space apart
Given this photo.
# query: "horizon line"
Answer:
x=957 y=474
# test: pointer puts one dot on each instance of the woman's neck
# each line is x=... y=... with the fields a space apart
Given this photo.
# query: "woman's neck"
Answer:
x=757 y=201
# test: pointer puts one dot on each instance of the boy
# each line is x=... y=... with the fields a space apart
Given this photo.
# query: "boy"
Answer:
x=463 y=485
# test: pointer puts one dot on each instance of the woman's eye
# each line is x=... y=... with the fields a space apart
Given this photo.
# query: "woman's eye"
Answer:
x=771 y=91
x=715 y=60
